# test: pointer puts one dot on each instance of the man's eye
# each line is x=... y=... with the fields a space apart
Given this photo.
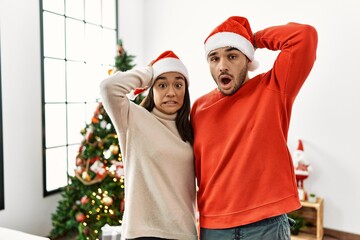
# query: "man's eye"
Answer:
x=213 y=59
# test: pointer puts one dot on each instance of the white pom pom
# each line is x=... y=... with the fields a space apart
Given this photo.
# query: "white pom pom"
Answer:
x=253 y=65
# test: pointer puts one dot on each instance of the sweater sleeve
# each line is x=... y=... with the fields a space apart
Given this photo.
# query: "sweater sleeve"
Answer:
x=113 y=91
x=297 y=44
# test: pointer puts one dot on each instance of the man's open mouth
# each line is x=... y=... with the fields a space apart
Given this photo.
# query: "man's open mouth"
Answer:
x=225 y=80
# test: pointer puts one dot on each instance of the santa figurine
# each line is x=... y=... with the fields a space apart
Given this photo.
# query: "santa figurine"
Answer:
x=302 y=169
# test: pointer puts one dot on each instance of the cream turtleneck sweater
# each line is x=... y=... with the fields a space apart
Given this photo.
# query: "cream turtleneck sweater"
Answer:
x=160 y=187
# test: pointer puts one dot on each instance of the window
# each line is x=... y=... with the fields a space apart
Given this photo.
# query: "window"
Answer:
x=78 y=47
x=2 y=204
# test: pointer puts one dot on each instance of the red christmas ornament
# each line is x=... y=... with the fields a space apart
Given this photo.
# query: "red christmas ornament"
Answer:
x=80 y=217
x=122 y=205
x=84 y=200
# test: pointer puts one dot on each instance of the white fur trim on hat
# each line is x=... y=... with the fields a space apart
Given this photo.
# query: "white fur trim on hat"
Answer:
x=169 y=64
x=229 y=39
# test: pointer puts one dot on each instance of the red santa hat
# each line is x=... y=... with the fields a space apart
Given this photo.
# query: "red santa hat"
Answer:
x=169 y=62
x=234 y=32
x=300 y=146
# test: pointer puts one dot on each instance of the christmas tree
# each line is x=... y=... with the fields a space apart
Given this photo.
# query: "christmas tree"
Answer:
x=95 y=195
x=123 y=61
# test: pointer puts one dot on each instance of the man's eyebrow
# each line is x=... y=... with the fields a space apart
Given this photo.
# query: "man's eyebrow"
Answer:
x=229 y=49
x=212 y=54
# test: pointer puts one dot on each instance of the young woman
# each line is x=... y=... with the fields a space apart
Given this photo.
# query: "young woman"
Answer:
x=156 y=143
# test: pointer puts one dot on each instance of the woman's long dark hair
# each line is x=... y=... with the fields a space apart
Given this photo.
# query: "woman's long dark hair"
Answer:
x=182 y=118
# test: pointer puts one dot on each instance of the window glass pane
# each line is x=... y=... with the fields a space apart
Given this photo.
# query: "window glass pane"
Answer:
x=56 y=168
x=93 y=11
x=76 y=82
x=109 y=43
x=74 y=39
x=56 y=6
x=93 y=41
x=54 y=71
x=55 y=122
x=54 y=40
x=94 y=75
x=72 y=153
x=76 y=121
x=75 y=8
x=108 y=8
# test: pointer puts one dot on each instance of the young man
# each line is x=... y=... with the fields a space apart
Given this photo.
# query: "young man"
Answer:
x=243 y=166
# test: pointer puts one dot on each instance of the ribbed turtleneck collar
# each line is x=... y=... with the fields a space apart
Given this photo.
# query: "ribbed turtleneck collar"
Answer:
x=161 y=115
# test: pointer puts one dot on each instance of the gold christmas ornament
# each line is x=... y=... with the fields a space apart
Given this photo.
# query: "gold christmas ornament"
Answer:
x=114 y=149
x=107 y=201
x=85 y=176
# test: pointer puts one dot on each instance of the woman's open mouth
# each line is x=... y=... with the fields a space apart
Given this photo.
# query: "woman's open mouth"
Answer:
x=170 y=103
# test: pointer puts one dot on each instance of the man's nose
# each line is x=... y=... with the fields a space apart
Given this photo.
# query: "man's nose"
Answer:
x=223 y=66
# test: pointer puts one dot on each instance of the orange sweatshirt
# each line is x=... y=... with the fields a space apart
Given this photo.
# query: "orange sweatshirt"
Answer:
x=243 y=166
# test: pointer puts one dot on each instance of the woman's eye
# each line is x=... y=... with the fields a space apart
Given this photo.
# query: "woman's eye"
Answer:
x=179 y=85
x=161 y=85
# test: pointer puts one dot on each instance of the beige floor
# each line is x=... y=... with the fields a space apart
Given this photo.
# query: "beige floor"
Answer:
x=307 y=237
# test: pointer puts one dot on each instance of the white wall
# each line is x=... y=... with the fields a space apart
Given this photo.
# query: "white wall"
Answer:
x=131 y=28
x=25 y=207
x=326 y=114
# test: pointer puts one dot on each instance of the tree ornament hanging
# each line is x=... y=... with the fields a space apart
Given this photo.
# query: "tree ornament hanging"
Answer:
x=108 y=201
x=84 y=200
x=85 y=176
x=80 y=217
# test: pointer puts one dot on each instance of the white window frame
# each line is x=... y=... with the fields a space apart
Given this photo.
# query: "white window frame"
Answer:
x=78 y=43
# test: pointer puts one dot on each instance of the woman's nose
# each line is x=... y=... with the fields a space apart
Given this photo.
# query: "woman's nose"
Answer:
x=170 y=92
